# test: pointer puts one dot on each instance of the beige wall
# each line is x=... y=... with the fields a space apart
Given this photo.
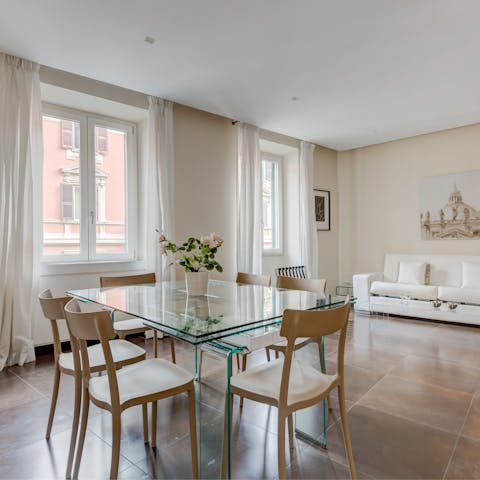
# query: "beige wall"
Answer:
x=379 y=196
x=205 y=186
x=325 y=178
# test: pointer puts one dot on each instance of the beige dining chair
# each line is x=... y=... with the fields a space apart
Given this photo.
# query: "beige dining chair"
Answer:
x=144 y=382
x=131 y=325
x=123 y=353
x=315 y=285
x=245 y=279
x=291 y=385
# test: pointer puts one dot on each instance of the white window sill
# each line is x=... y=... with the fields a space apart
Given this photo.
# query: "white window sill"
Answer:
x=48 y=269
x=272 y=253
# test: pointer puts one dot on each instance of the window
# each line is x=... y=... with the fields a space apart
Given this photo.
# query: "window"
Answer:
x=88 y=187
x=271 y=204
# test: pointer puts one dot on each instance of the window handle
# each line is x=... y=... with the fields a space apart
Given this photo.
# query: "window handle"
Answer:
x=92 y=216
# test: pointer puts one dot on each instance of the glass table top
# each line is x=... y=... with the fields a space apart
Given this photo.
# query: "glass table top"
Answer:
x=227 y=309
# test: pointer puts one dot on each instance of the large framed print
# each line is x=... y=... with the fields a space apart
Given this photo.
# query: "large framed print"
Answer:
x=322 y=209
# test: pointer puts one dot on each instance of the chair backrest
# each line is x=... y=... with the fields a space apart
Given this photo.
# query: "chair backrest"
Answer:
x=85 y=326
x=298 y=271
x=316 y=285
x=127 y=280
x=53 y=309
x=313 y=324
x=252 y=279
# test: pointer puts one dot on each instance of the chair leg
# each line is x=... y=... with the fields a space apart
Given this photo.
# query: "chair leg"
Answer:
x=155 y=344
x=75 y=421
x=154 y=424
x=238 y=361
x=116 y=429
x=277 y=355
x=244 y=367
x=145 y=423
x=346 y=431
x=324 y=369
x=282 y=467
x=267 y=351
x=193 y=431
x=172 y=349
x=290 y=432
x=83 y=428
x=53 y=403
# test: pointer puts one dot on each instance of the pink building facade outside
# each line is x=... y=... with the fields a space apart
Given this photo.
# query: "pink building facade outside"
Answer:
x=61 y=186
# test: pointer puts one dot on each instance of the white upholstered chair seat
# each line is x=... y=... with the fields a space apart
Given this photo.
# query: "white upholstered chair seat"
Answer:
x=306 y=382
x=141 y=379
x=122 y=350
x=131 y=323
x=298 y=341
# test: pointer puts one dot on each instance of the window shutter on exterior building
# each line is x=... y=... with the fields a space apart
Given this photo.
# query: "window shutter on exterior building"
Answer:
x=101 y=139
x=67 y=134
x=67 y=201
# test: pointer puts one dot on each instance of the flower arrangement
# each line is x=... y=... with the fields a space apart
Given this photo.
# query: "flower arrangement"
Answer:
x=195 y=254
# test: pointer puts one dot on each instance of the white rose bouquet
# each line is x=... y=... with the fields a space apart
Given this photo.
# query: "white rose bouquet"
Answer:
x=195 y=254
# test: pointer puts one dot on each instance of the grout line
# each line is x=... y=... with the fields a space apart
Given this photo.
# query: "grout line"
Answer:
x=458 y=437
x=29 y=385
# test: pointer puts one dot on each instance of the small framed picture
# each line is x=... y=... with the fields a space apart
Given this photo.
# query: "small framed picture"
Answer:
x=322 y=209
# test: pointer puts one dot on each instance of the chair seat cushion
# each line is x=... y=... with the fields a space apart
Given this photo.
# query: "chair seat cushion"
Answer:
x=130 y=324
x=459 y=295
x=141 y=379
x=283 y=343
x=122 y=350
x=393 y=289
x=306 y=382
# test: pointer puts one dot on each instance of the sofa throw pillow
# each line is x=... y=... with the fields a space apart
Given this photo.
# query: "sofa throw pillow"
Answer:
x=412 y=272
x=470 y=275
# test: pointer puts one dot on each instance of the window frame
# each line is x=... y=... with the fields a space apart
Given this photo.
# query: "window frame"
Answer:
x=278 y=160
x=88 y=164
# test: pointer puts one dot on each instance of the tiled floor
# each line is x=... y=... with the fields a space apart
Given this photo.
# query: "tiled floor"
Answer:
x=413 y=399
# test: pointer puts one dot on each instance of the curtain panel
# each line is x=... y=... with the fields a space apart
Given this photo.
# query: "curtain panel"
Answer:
x=249 y=200
x=21 y=153
x=159 y=181
x=308 y=231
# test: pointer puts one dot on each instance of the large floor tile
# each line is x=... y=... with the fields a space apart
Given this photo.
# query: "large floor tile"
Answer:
x=434 y=406
x=14 y=391
x=386 y=446
x=438 y=372
x=471 y=428
x=465 y=463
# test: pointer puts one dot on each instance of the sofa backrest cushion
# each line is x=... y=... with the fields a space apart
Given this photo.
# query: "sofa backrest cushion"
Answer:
x=412 y=272
x=471 y=275
x=445 y=270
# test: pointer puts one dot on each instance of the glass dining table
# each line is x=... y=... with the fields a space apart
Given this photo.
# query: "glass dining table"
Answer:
x=232 y=318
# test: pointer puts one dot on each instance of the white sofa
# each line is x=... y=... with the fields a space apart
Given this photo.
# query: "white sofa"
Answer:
x=409 y=283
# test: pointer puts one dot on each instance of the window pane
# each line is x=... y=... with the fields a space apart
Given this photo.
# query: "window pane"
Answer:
x=61 y=186
x=110 y=189
x=270 y=204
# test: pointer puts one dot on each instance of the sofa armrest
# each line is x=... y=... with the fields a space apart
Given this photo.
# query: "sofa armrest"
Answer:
x=361 y=288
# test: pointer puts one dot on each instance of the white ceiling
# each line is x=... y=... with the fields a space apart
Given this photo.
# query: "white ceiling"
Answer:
x=364 y=71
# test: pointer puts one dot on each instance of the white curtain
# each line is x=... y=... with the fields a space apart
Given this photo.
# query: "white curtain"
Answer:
x=160 y=179
x=308 y=231
x=249 y=198
x=21 y=153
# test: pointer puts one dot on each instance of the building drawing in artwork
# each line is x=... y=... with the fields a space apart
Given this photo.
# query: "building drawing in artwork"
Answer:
x=455 y=220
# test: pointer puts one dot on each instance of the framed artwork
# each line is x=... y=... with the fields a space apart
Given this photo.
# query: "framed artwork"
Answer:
x=322 y=209
x=450 y=206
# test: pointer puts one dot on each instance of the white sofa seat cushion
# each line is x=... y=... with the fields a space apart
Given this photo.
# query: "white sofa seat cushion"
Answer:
x=305 y=381
x=391 y=289
x=141 y=379
x=121 y=350
x=459 y=295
